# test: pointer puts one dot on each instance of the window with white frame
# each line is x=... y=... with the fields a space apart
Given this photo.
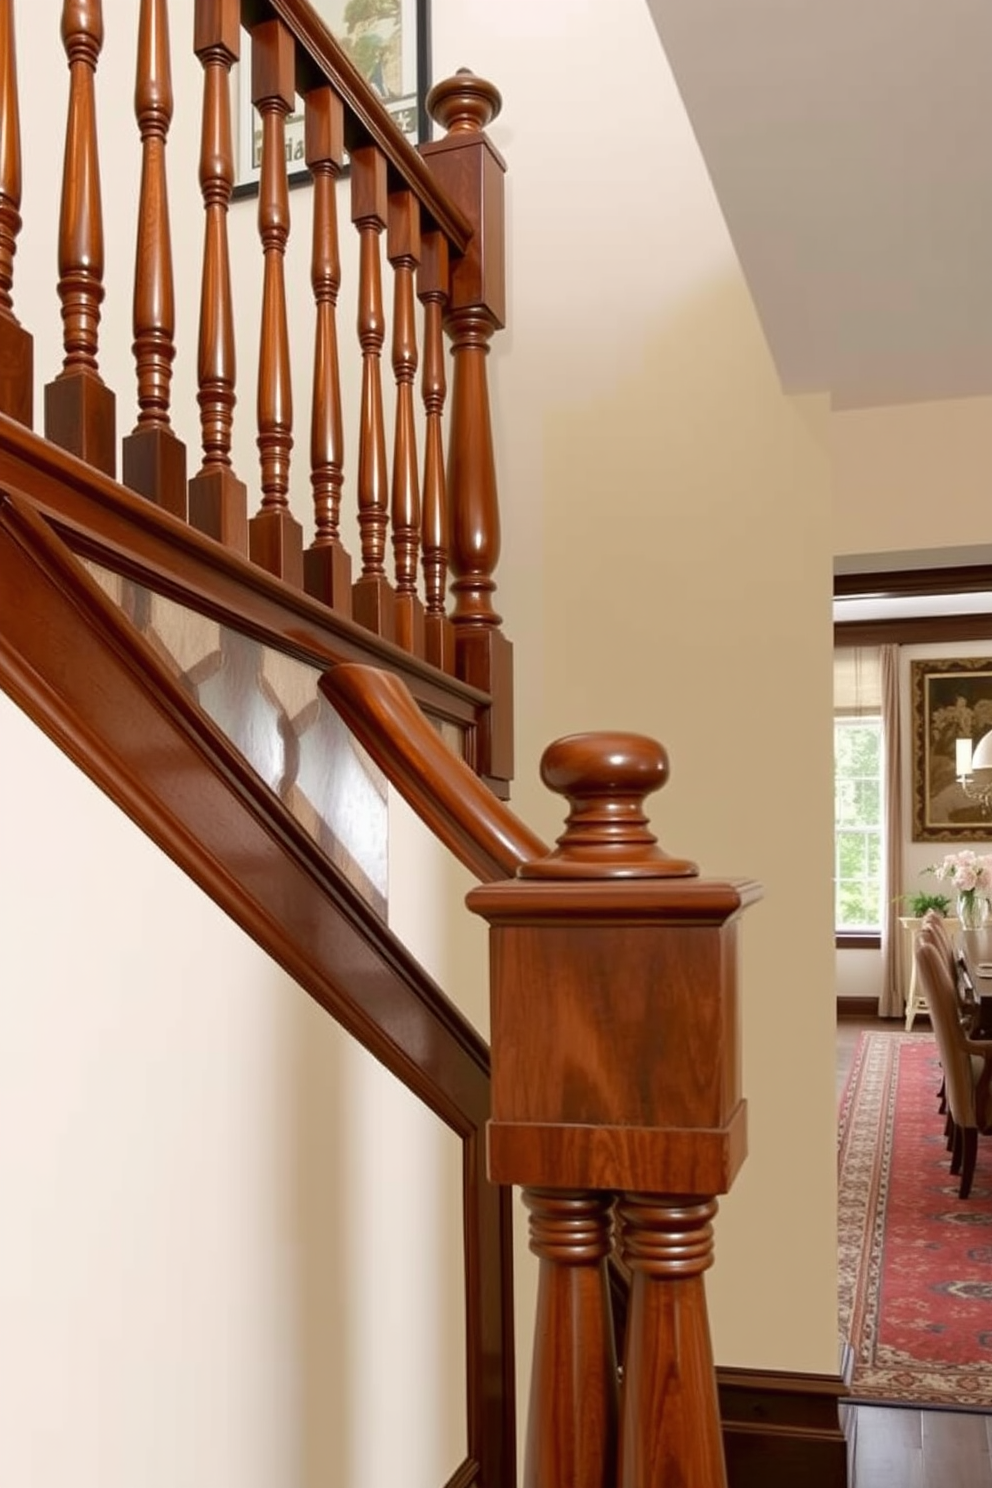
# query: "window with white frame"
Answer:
x=858 y=824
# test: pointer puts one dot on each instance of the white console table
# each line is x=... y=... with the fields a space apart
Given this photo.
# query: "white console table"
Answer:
x=915 y=1000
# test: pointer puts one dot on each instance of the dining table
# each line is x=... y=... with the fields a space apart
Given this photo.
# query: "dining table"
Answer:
x=975 y=957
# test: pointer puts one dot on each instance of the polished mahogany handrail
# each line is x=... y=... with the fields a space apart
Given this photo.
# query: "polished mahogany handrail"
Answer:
x=483 y=833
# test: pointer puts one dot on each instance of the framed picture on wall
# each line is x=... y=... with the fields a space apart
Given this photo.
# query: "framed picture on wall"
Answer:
x=951 y=700
x=387 y=40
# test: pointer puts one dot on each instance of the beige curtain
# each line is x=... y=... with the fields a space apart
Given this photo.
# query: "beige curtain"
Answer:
x=890 y=1003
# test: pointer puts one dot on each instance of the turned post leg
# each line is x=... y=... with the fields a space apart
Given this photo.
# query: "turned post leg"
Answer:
x=572 y=1425
x=670 y=1426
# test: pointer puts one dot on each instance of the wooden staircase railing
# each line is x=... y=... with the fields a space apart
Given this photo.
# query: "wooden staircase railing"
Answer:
x=437 y=214
x=616 y=1097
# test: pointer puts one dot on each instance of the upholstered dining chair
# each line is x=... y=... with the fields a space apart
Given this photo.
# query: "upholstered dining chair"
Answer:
x=937 y=926
x=967 y=1062
x=934 y=923
x=967 y=1001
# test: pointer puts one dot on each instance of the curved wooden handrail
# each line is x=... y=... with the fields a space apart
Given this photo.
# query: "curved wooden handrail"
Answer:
x=482 y=832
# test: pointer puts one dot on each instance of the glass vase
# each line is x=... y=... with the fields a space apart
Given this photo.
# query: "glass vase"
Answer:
x=973 y=909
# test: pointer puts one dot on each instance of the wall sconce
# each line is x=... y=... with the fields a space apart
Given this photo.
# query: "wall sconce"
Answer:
x=968 y=762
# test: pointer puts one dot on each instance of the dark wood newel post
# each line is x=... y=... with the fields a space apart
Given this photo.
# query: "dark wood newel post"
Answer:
x=616 y=1069
x=471 y=170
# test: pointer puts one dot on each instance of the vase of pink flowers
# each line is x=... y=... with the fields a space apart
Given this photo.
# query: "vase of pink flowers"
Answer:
x=971 y=875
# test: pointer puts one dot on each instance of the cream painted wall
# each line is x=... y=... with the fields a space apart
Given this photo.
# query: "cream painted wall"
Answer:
x=666 y=568
x=230 y=1246
x=900 y=473
x=858 y=973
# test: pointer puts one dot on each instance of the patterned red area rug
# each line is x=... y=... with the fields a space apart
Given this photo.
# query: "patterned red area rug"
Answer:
x=915 y=1260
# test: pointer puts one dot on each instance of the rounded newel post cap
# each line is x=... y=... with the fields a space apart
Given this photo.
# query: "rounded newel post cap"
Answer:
x=605 y=778
x=464 y=104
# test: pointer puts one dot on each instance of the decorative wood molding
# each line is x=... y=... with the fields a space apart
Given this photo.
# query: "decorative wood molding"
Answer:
x=908 y=583
x=843 y=941
x=857 y=1007
x=76 y=666
x=971 y=578
x=916 y=631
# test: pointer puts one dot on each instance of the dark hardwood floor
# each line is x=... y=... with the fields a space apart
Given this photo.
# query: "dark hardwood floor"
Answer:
x=900 y=1448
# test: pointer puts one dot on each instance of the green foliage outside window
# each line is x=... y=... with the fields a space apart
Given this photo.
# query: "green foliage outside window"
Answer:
x=858 y=824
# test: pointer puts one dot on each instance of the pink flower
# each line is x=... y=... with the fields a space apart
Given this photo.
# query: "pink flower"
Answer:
x=967 y=870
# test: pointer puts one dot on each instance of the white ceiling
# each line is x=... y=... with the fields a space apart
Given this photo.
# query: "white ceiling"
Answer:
x=850 y=147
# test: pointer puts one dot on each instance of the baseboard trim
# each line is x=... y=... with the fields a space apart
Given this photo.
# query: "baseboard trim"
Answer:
x=857 y=1007
x=783 y=1429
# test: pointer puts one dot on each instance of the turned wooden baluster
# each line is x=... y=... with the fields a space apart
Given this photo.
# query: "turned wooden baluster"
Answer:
x=326 y=564
x=403 y=251
x=16 y=344
x=153 y=459
x=275 y=537
x=79 y=407
x=469 y=167
x=432 y=288
x=374 y=602
x=218 y=500
x=616 y=1068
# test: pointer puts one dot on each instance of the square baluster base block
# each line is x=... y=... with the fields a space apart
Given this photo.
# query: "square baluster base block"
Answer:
x=16 y=371
x=80 y=415
x=154 y=465
x=374 y=605
x=218 y=506
x=327 y=576
x=275 y=543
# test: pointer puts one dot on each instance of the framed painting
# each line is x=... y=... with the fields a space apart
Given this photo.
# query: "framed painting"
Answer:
x=389 y=43
x=951 y=700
